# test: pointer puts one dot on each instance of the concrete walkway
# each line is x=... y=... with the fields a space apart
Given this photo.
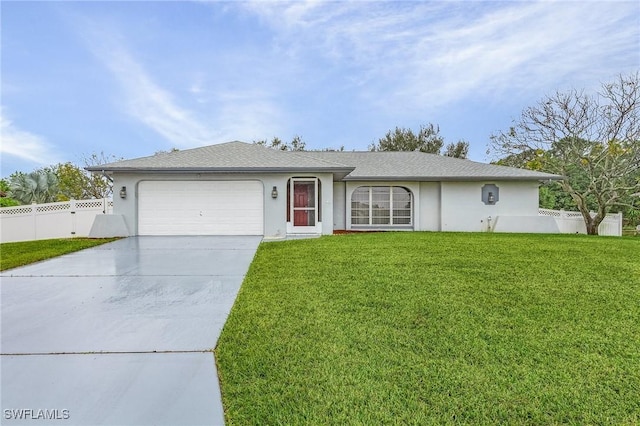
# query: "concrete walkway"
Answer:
x=120 y=334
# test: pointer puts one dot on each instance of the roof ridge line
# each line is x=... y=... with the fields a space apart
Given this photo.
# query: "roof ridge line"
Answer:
x=303 y=154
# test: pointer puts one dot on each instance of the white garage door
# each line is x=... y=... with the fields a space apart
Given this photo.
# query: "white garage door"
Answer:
x=200 y=208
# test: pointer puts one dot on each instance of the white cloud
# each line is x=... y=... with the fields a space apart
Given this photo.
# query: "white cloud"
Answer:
x=23 y=144
x=369 y=59
x=248 y=115
x=433 y=53
x=530 y=46
x=153 y=105
x=212 y=114
x=142 y=98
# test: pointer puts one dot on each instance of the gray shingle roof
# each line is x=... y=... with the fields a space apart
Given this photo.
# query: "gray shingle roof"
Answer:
x=230 y=156
x=350 y=165
x=425 y=167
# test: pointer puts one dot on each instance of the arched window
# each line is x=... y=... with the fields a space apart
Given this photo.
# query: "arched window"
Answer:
x=381 y=206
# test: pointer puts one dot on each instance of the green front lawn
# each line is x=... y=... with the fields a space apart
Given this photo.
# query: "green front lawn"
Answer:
x=13 y=255
x=433 y=328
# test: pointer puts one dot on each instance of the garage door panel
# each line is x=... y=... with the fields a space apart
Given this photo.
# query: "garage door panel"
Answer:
x=200 y=208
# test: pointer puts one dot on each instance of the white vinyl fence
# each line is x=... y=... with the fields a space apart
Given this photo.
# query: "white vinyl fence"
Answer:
x=52 y=220
x=573 y=222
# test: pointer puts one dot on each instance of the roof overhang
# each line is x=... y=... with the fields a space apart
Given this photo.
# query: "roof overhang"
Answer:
x=454 y=178
x=338 y=173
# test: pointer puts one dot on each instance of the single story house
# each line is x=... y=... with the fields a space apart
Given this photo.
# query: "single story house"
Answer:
x=239 y=188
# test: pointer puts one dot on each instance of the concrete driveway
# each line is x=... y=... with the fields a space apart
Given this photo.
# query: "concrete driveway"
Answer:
x=120 y=334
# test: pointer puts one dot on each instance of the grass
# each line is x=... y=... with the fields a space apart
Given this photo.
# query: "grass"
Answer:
x=23 y=253
x=436 y=328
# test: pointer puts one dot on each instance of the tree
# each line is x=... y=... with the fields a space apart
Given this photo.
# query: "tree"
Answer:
x=552 y=196
x=631 y=213
x=161 y=152
x=457 y=150
x=99 y=185
x=35 y=187
x=592 y=141
x=5 y=200
x=8 y=202
x=427 y=139
x=4 y=187
x=296 y=144
x=72 y=181
x=340 y=149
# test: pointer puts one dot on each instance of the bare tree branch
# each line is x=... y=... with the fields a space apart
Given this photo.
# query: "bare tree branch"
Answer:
x=593 y=141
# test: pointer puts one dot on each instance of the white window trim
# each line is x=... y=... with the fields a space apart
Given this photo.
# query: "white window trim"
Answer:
x=291 y=229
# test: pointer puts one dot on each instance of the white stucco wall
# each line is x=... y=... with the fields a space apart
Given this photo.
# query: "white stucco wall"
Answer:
x=327 y=202
x=526 y=224
x=275 y=214
x=453 y=206
x=463 y=209
x=437 y=206
x=340 y=205
x=429 y=199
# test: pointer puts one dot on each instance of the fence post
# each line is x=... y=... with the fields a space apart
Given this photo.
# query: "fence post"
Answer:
x=619 y=224
x=72 y=208
x=34 y=209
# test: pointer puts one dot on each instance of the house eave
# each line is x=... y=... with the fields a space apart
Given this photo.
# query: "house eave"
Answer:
x=453 y=178
x=339 y=172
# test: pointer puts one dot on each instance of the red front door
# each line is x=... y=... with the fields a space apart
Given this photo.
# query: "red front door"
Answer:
x=304 y=203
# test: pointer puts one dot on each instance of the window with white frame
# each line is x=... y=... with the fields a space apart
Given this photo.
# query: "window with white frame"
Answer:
x=381 y=205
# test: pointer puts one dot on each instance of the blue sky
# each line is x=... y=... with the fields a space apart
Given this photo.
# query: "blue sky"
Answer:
x=133 y=78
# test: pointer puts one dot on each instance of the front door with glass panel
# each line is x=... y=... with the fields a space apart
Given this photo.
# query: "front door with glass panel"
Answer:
x=304 y=205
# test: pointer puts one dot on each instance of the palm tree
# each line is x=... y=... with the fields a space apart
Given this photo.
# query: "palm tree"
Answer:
x=35 y=187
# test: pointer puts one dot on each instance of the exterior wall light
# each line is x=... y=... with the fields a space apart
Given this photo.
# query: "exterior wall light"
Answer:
x=274 y=193
x=123 y=192
x=490 y=194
